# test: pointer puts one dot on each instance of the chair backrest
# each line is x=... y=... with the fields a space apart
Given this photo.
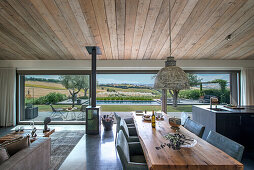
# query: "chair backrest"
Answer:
x=194 y=127
x=184 y=117
x=225 y=144
x=118 y=119
x=53 y=109
x=124 y=128
x=123 y=149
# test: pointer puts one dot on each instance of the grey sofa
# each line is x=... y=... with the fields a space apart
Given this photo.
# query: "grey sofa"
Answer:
x=34 y=157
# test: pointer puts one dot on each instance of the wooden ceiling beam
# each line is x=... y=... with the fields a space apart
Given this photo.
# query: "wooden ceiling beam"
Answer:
x=215 y=29
x=177 y=27
x=159 y=26
x=130 y=22
x=110 y=6
x=236 y=20
x=56 y=43
x=120 y=27
x=164 y=37
x=100 y=13
x=152 y=16
x=89 y=14
x=197 y=18
x=143 y=7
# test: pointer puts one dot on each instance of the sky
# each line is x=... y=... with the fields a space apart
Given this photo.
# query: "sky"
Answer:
x=135 y=78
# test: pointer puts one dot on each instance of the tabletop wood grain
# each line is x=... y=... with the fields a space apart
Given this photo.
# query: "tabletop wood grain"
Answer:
x=203 y=156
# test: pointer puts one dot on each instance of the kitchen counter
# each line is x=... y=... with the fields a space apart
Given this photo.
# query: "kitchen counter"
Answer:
x=225 y=110
x=236 y=124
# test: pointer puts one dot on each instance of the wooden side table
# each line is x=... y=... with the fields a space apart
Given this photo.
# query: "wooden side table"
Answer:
x=14 y=134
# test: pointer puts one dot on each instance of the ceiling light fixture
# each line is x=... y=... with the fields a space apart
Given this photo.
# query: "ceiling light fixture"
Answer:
x=171 y=77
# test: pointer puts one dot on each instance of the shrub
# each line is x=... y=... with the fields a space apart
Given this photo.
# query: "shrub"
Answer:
x=83 y=97
x=144 y=98
x=50 y=98
x=189 y=94
x=224 y=97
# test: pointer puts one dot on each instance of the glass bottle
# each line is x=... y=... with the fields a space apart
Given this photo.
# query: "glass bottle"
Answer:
x=153 y=120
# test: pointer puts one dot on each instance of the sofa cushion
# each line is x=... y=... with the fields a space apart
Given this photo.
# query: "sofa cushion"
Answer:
x=16 y=145
x=3 y=155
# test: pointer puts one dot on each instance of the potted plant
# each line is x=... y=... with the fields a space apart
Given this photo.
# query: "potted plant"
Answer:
x=107 y=121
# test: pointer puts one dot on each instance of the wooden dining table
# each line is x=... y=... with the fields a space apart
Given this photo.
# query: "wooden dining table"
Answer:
x=203 y=156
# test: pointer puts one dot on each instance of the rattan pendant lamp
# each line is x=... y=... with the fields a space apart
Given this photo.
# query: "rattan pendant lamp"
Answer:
x=171 y=77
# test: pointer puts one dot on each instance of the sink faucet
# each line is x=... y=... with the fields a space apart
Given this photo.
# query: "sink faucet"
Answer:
x=213 y=100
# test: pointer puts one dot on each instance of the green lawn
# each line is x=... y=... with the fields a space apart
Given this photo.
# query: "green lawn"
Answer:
x=124 y=108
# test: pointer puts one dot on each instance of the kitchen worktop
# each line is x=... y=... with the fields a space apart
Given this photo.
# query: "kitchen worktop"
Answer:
x=247 y=109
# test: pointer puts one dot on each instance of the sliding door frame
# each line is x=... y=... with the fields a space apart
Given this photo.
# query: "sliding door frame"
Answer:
x=46 y=72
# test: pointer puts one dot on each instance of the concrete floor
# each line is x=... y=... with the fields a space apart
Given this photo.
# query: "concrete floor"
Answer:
x=95 y=152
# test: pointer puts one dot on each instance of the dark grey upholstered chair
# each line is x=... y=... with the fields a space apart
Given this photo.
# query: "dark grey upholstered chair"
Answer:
x=129 y=122
x=194 y=127
x=131 y=154
x=225 y=144
x=184 y=117
x=130 y=133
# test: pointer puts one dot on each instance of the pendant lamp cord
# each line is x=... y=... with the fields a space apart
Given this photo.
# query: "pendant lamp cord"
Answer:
x=169 y=23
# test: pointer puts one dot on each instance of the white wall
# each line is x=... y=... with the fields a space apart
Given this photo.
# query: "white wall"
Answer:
x=125 y=64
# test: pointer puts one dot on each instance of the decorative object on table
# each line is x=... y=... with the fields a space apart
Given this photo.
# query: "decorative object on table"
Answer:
x=21 y=128
x=139 y=112
x=47 y=120
x=159 y=116
x=107 y=121
x=32 y=124
x=174 y=123
x=178 y=141
x=16 y=129
x=153 y=120
x=33 y=133
x=171 y=77
x=147 y=117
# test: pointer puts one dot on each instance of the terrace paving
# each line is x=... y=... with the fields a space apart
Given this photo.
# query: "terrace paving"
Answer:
x=81 y=116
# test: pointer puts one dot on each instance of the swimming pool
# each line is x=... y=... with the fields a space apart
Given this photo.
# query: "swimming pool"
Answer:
x=126 y=102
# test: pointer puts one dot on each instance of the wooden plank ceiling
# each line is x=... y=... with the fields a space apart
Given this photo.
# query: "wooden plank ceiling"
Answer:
x=126 y=29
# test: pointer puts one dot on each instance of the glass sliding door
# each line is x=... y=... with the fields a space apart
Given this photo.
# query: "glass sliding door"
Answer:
x=63 y=98
x=129 y=92
x=203 y=86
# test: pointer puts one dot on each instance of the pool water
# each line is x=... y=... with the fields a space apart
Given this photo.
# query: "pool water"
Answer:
x=123 y=102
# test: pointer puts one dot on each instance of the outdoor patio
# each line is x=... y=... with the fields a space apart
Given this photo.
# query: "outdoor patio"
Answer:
x=81 y=116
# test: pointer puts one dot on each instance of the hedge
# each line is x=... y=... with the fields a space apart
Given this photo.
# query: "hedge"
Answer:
x=49 y=98
x=195 y=94
x=144 y=98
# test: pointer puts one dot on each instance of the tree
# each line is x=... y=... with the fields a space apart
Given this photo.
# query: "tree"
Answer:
x=85 y=85
x=174 y=94
x=193 y=79
x=222 y=83
x=74 y=83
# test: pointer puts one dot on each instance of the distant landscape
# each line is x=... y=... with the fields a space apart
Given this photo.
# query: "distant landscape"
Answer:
x=50 y=89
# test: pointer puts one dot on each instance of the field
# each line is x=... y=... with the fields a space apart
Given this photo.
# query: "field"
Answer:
x=43 y=88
